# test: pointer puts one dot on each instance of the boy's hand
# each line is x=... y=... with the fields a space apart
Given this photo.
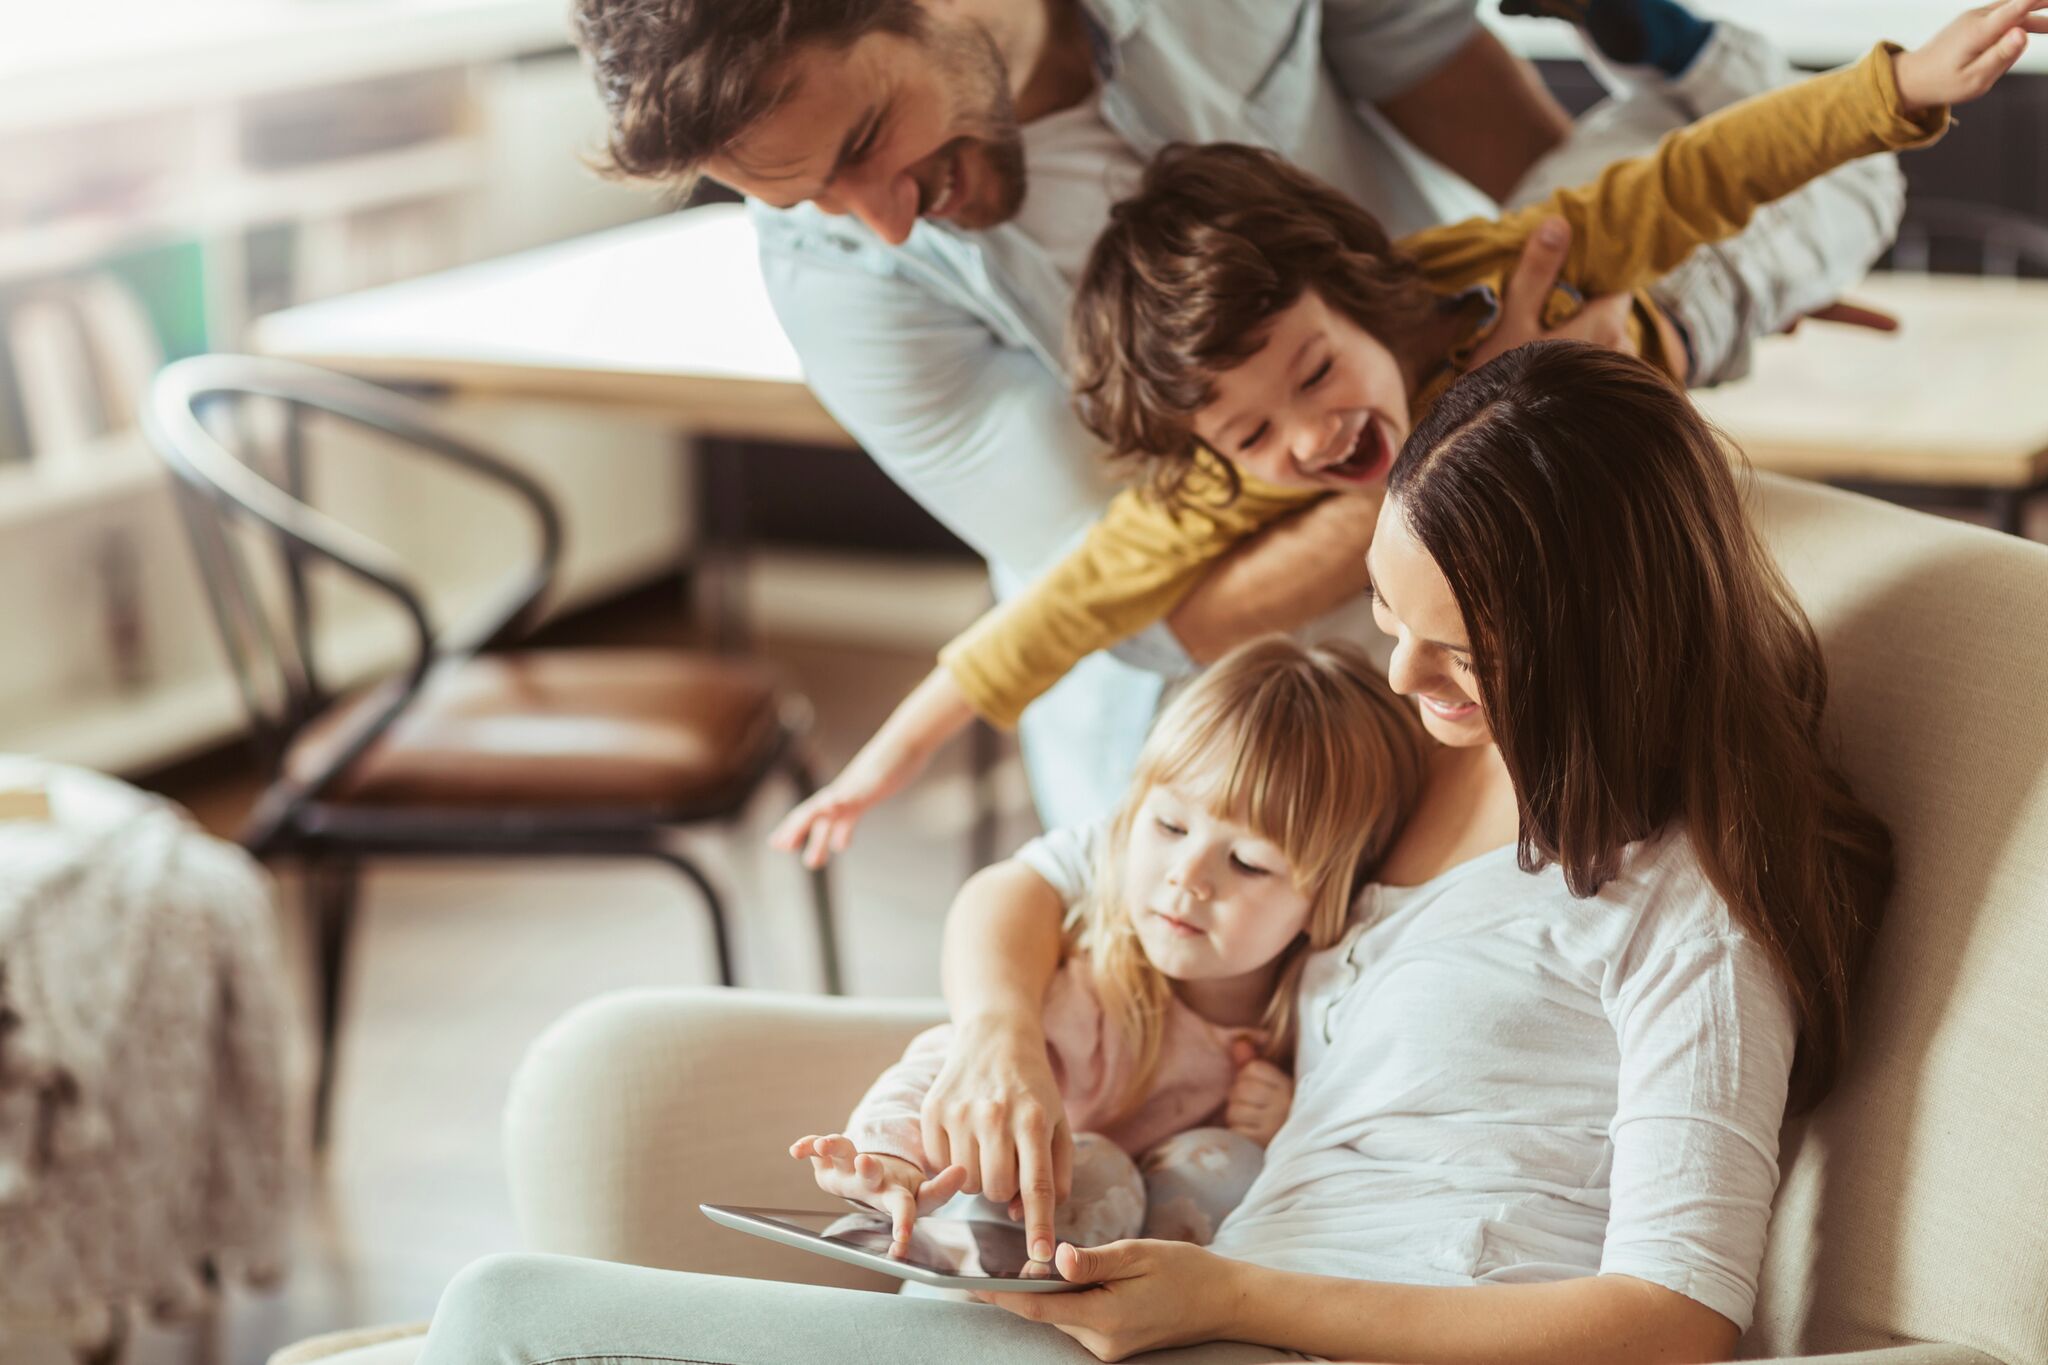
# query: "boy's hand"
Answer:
x=1259 y=1098
x=1966 y=58
x=821 y=826
x=888 y=1184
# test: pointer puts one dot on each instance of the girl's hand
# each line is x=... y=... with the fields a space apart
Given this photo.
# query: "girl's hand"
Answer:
x=1965 y=59
x=1259 y=1098
x=996 y=1110
x=888 y=1184
x=1148 y=1295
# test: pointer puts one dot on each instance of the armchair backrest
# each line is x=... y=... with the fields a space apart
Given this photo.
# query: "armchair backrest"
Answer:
x=1914 y=1201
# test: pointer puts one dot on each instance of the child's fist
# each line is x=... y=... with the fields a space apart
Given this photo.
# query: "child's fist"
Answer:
x=1965 y=59
x=1259 y=1098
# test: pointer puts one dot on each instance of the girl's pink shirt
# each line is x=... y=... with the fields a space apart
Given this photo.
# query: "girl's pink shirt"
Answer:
x=1091 y=1062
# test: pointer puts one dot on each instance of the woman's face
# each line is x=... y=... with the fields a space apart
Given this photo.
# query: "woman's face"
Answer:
x=1412 y=601
x=1209 y=898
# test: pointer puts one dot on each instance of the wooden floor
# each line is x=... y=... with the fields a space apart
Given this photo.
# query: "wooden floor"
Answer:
x=460 y=965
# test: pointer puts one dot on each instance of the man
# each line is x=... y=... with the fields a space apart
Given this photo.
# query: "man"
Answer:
x=927 y=177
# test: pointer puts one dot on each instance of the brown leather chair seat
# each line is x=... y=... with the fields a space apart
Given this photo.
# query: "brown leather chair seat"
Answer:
x=592 y=729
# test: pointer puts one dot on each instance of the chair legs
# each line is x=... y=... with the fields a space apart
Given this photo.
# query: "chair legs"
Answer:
x=716 y=907
x=331 y=887
x=821 y=886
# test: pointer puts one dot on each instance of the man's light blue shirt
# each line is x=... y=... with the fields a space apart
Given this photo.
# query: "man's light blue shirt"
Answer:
x=942 y=356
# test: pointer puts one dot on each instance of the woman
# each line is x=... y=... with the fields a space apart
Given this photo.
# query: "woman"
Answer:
x=1539 y=1091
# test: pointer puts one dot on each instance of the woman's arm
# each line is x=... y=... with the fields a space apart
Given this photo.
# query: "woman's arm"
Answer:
x=1589 y=1321
x=995 y=1107
x=1158 y=1294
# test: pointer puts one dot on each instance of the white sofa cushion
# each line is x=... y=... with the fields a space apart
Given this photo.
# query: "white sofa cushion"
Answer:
x=1911 y=1204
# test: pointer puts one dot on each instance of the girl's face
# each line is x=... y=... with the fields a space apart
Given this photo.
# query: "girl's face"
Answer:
x=1412 y=601
x=1321 y=404
x=1209 y=898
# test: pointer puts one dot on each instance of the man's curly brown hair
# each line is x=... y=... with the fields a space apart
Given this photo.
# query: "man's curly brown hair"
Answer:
x=681 y=79
x=1184 y=282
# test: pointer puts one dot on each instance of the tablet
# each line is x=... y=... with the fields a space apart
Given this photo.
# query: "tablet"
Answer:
x=948 y=1253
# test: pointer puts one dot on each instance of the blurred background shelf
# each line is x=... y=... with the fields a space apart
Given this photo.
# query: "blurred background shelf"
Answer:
x=169 y=173
x=443 y=166
x=114 y=467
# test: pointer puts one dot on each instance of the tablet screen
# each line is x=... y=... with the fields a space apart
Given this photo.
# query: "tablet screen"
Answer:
x=948 y=1246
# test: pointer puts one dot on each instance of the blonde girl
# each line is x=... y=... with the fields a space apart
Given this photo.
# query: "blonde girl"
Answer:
x=1264 y=796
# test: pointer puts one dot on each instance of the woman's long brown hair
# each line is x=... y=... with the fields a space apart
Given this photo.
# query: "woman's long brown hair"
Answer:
x=1642 y=661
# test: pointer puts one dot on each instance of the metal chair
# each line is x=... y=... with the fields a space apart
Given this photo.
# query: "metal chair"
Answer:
x=470 y=749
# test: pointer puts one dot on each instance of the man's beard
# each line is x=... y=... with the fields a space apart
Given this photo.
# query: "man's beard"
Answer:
x=975 y=67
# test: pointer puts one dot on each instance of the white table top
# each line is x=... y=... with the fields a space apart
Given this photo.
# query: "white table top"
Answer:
x=669 y=316
x=1954 y=397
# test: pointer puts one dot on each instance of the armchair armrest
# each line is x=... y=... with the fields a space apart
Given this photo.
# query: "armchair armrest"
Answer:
x=636 y=1107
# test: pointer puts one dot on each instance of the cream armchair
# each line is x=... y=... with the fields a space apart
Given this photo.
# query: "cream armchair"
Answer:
x=1912 y=1221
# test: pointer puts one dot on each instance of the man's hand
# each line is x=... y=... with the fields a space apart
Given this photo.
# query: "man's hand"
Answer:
x=1259 y=1097
x=888 y=1184
x=1602 y=321
x=996 y=1111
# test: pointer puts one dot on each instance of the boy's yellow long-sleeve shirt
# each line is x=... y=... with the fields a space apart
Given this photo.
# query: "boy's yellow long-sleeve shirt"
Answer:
x=1637 y=221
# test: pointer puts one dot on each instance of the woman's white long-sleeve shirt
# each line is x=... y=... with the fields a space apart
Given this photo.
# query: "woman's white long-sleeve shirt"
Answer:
x=1500 y=1082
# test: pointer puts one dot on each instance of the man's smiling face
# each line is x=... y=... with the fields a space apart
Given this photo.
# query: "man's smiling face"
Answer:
x=890 y=130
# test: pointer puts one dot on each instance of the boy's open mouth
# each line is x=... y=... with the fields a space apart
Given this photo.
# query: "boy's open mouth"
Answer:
x=1368 y=459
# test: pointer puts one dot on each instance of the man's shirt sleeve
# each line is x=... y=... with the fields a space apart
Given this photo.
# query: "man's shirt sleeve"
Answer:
x=978 y=432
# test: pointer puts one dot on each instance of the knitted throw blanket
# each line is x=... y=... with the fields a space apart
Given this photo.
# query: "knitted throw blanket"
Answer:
x=148 y=1129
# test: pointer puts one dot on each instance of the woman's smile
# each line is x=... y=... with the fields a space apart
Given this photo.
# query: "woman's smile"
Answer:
x=1460 y=709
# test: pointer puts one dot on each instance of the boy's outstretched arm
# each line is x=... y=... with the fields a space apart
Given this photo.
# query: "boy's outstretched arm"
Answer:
x=1283 y=578
x=1703 y=182
x=822 y=824
x=1133 y=568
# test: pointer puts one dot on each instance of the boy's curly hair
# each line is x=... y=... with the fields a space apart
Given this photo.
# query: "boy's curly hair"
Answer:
x=1182 y=284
